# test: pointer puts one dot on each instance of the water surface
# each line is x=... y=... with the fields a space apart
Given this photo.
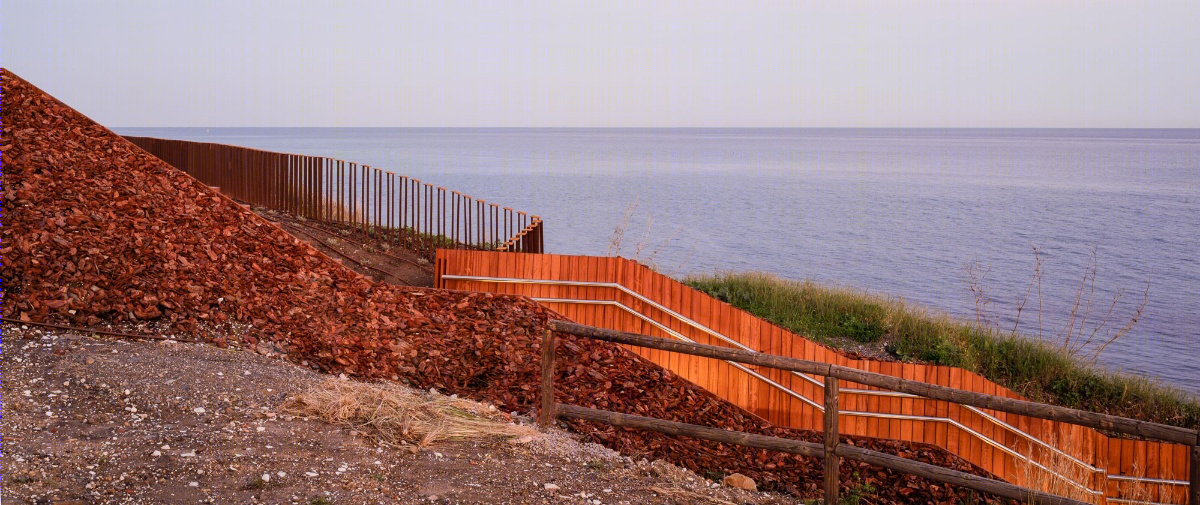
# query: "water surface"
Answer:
x=895 y=211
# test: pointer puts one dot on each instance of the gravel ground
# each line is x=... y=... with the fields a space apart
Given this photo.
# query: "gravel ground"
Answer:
x=92 y=419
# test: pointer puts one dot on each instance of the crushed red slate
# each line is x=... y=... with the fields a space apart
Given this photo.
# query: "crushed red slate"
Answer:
x=95 y=230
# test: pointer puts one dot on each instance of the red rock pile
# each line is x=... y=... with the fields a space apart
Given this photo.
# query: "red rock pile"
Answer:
x=96 y=230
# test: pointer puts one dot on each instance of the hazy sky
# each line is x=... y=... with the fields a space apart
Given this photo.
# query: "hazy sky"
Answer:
x=347 y=63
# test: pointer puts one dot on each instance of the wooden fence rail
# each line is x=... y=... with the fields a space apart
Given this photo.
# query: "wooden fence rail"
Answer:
x=831 y=450
x=332 y=190
x=620 y=294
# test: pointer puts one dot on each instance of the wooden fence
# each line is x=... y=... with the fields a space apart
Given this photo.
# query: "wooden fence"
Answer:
x=332 y=190
x=623 y=295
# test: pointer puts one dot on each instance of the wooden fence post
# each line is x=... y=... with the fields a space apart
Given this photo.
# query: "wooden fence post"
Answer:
x=547 y=414
x=831 y=440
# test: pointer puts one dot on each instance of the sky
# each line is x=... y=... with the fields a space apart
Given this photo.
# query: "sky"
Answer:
x=1013 y=63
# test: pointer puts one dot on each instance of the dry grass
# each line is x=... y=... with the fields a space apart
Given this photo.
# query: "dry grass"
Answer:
x=394 y=413
x=1148 y=493
x=1057 y=474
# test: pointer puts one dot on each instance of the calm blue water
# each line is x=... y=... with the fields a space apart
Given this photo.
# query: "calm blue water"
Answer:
x=895 y=211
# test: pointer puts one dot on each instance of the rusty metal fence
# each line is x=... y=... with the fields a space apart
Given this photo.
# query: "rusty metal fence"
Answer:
x=330 y=190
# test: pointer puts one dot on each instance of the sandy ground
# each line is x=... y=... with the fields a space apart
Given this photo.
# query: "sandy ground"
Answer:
x=91 y=419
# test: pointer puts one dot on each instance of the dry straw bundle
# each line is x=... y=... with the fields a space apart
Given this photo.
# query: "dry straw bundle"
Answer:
x=394 y=413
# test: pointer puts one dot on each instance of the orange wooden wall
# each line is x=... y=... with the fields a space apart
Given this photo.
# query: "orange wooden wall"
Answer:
x=968 y=433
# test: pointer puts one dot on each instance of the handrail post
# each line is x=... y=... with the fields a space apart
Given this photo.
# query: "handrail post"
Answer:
x=832 y=461
x=546 y=415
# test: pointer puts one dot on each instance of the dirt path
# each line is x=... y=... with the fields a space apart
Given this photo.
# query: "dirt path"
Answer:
x=367 y=255
x=91 y=420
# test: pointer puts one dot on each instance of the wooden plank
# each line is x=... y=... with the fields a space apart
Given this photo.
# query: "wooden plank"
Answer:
x=1152 y=469
x=907 y=428
x=1194 y=474
x=993 y=432
x=943 y=408
x=972 y=421
x=1165 y=451
x=929 y=408
x=896 y=404
x=671 y=300
x=873 y=423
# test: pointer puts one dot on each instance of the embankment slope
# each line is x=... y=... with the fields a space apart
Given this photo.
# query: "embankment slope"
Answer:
x=97 y=231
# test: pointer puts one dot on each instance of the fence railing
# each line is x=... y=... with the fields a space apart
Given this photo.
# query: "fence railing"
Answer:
x=832 y=450
x=337 y=191
x=621 y=294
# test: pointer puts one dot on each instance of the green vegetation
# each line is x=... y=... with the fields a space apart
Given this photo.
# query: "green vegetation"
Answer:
x=1037 y=370
x=856 y=494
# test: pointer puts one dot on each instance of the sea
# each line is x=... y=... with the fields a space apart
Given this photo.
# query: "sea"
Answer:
x=1051 y=232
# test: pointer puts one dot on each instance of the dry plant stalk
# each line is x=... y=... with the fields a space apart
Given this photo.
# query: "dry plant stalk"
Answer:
x=1061 y=476
x=978 y=272
x=1145 y=493
x=394 y=413
x=614 y=242
x=1037 y=279
x=1082 y=336
x=1055 y=473
x=1074 y=336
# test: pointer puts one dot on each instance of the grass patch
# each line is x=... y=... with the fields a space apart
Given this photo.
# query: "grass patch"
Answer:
x=1034 y=369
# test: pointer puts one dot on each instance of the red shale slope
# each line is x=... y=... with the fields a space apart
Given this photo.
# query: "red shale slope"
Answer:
x=96 y=230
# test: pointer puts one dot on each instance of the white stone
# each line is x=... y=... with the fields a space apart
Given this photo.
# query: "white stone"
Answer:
x=550 y=487
x=261 y=429
x=311 y=474
x=156 y=453
x=198 y=410
x=193 y=484
x=266 y=477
